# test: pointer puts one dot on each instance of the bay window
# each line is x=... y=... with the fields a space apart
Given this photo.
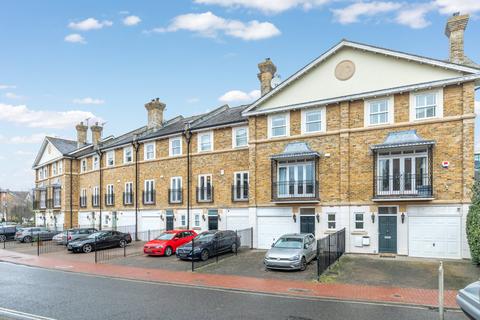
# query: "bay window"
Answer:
x=296 y=179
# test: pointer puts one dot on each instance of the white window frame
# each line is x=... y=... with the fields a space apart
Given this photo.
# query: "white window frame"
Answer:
x=171 y=149
x=203 y=194
x=241 y=186
x=334 y=221
x=176 y=197
x=110 y=192
x=146 y=189
x=355 y=220
x=125 y=151
x=197 y=220
x=183 y=219
x=45 y=172
x=234 y=137
x=287 y=124
x=110 y=154
x=283 y=191
x=60 y=167
x=438 y=107
x=95 y=162
x=199 y=141
x=83 y=165
x=145 y=151
x=57 y=196
x=96 y=196
x=54 y=169
x=323 y=120
x=390 y=111
x=128 y=190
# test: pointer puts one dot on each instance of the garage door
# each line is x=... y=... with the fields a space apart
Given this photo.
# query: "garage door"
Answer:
x=434 y=237
x=237 y=219
x=270 y=228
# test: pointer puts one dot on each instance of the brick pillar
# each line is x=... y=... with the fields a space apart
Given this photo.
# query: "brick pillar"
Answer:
x=468 y=172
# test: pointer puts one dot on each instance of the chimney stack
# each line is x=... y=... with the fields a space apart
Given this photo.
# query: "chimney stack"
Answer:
x=155 y=110
x=455 y=30
x=96 y=133
x=267 y=72
x=81 y=134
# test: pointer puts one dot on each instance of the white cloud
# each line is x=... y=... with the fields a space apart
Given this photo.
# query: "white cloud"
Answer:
x=33 y=138
x=193 y=100
x=75 y=38
x=275 y=6
x=463 y=6
x=7 y=86
x=88 y=100
x=13 y=96
x=124 y=12
x=353 y=12
x=415 y=16
x=239 y=96
x=209 y=25
x=131 y=20
x=89 y=24
x=21 y=115
x=24 y=153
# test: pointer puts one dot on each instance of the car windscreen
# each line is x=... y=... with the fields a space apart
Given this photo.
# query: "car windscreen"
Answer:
x=204 y=237
x=289 y=243
x=165 y=236
x=97 y=235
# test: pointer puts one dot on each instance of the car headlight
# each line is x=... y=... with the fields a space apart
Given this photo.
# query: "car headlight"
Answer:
x=294 y=258
x=158 y=247
x=197 y=249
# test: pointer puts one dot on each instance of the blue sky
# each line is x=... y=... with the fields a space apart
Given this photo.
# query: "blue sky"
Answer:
x=64 y=61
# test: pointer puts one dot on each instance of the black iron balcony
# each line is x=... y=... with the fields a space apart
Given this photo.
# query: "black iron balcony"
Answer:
x=50 y=203
x=205 y=194
x=95 y=201
x=239 y=192
x=39 y=205
x=109 y=199
x=83 y=202
x=57 y=197
x=127 y=198
x=296 y=190
x=403 y=186
x=148 y=197
x=175 y=196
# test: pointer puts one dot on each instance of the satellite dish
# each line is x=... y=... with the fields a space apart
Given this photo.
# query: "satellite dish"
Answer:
x=275 y=81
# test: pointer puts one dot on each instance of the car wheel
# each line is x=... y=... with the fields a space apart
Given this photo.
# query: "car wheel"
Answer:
x=303 y=264
x=205 y=255
x=234 y=247
x=3 y=238
x=123 y=243
x=87 y=248
x=168 y=251
x=27 y=239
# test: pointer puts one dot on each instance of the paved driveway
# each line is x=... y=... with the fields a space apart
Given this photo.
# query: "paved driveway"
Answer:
x=401 y=272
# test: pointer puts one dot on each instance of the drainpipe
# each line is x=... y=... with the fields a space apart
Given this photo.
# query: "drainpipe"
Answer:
x=71 y=193
x=100 y=156
x=136 y=146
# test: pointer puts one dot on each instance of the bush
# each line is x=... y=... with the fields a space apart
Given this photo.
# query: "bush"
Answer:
x=473 y=224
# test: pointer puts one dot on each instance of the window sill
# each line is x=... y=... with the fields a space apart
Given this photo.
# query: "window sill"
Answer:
x=330 y=231
x=359 y=233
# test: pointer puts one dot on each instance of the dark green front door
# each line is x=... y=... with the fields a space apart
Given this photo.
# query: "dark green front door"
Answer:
x=387 y=234
x=307 y=224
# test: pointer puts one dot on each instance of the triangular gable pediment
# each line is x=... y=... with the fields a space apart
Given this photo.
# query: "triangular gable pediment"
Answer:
x=352 y=69
x=47 y=153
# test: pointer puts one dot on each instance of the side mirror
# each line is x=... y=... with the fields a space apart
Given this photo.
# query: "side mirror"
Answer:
x=273 y=244
x=306 y=246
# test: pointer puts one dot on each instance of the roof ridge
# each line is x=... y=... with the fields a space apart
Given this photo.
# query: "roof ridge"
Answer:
x=210 y=115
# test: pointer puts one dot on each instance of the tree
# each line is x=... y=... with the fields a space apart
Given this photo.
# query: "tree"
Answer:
x=473 y=223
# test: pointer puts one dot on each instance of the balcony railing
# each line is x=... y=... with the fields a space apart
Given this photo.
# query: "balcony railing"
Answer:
x=127 y=198
x=239 y=192
x=109 y=199
x=403 y=186
x=297 y=190
x=39 y=205
x=175 y=196
x=205 y=194
x=95 y=201
x=83 y=202
x=148 y=197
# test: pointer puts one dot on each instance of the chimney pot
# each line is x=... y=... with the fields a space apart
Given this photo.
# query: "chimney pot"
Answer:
x=455 y=30
x=155 y=110
x=81 y=134
x=96 y=133
x=266 y=74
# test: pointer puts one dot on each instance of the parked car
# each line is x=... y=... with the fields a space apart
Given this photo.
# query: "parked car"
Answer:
x=73 y=234
x=167 y=243
x=291 y=252
x=7 y=232
x=34 y=233
x=469 y=300
x=100 y=240
x=208 y=244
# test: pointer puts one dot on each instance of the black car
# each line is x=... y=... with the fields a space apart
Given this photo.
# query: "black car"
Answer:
x=7 y=232
x=208 y=244
x=100 y=240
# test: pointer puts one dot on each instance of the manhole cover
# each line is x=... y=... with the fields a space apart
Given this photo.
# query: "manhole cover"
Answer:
x=397 y=296
x=298 y=290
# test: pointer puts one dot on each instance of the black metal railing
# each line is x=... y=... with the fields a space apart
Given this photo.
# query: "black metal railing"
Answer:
x=205 y=194
x=295 y=190
x=403 y=186
x=95 y=201
x=239 y=192
x=175 y=195
x=329 y=250
x=148 y=197
x=110 y=199
x=127 y=198
x=39 y=205
x=49 y=203
x=83 y=202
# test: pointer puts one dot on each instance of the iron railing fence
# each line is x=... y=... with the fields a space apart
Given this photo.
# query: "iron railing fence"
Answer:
x=148 y=197
x=329 y=250
x=205 y=194
x=295 y=190
x=175 y=196
x=239 y=192
x=109 y=199
x=403 y=186
x=128 y=198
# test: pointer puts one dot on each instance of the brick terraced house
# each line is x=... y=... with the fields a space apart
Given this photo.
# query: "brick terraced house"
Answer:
x=376 y=141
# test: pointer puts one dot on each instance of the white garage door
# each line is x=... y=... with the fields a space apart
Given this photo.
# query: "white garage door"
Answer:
x=151 y=223
x=270 y=228
x=434 y=237
x=237 y=219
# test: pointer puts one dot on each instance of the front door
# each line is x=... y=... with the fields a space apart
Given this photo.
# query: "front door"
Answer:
x=213 y=219
x=387 y=234
x=169 y=218
x=307 y=224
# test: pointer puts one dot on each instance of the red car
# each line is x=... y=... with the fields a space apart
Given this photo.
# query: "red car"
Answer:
x=167 y=243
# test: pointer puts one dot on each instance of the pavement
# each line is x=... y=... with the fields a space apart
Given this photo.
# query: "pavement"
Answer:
x=283 y=287
x=44 y=294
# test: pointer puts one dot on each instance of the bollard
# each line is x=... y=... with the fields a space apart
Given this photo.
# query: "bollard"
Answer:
x=193 y=246
x=441 y=312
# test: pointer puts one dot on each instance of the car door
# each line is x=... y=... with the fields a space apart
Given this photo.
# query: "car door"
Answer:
x=103 y=240
x=312 y=248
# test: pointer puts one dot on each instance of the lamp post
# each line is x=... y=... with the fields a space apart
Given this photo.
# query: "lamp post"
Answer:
x=187 y=133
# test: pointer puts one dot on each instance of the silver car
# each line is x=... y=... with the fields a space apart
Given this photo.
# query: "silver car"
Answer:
x=291 y=252
x=33 y=234
x=73 y=234
x=469 y=300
